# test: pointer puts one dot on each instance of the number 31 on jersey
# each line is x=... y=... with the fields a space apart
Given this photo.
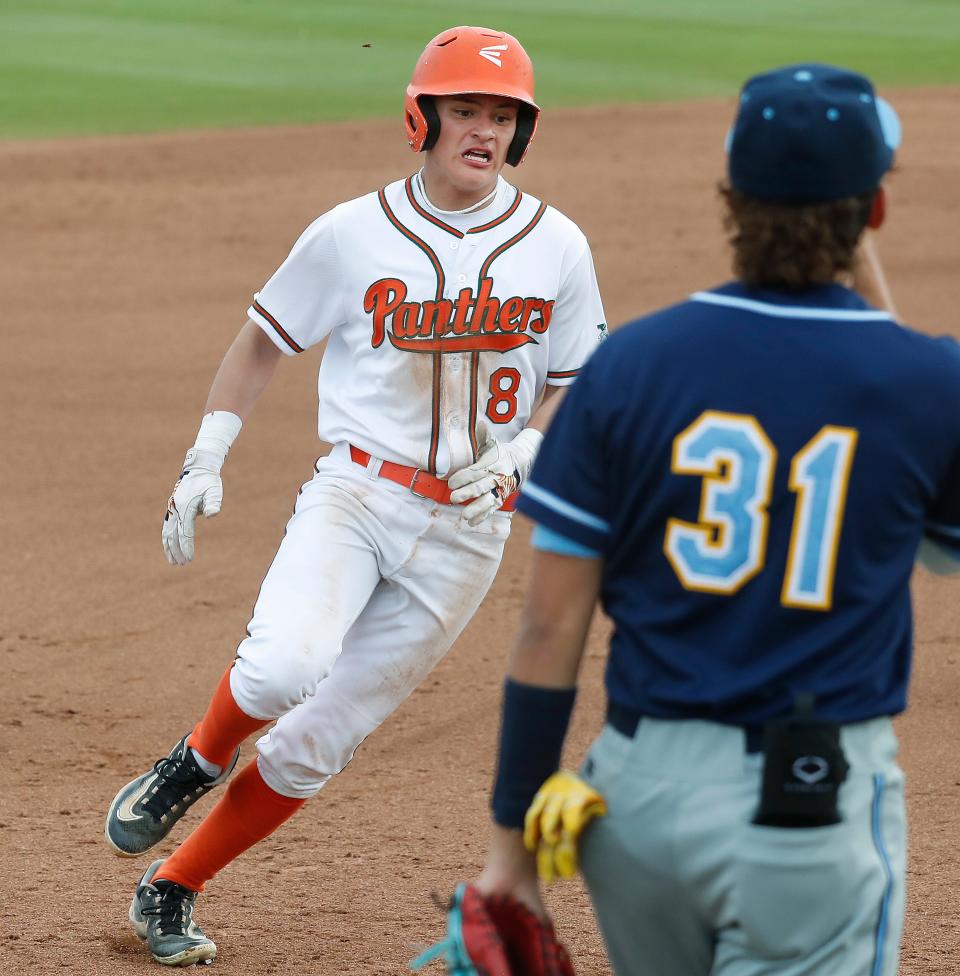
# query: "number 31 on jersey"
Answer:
x=727 y=546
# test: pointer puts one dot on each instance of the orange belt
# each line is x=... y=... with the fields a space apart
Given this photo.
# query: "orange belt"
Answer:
x=420 y=482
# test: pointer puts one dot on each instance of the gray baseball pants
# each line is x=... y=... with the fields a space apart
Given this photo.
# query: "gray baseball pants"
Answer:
x=684 y=885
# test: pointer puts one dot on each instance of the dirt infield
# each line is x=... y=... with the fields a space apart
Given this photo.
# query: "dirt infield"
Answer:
x=127 y=265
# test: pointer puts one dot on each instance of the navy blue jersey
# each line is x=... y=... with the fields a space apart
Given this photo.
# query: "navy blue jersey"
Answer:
x=757 y=470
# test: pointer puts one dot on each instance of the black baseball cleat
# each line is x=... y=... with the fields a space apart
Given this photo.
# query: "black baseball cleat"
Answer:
x=146 y=809
x=161 y=914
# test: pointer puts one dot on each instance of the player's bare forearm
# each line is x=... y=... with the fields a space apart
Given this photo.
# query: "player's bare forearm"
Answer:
x=553 y=629
x=547 y=654
x=551 y=400
x=244 y=373
x=511 y=869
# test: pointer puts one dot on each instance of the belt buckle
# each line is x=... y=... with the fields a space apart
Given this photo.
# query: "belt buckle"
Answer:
x=413 y=483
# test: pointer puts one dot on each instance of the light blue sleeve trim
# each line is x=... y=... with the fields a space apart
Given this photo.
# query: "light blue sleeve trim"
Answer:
x=792 y=311
x=948 y=530
x=558 y=505
x=937 y=559
x=549 y=540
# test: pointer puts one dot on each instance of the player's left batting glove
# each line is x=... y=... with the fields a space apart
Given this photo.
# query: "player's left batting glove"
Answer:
x=499 y=471
x=560 y=811
x=199 y=490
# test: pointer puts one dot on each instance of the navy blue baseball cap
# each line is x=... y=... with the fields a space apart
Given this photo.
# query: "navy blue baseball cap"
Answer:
x=810 y=133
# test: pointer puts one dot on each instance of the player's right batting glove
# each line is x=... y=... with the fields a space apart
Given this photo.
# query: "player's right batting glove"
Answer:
x=497 y=473
x=199 y=490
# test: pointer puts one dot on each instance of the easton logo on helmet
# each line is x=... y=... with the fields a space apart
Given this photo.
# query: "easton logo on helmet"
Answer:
x=492 y=53
x=466 y=323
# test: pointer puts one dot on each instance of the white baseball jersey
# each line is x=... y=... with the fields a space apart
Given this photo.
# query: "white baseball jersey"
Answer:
x=435 y=321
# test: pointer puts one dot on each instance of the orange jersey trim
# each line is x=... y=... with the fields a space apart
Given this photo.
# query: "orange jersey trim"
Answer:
x=506 y=215
x=474 y=371
x=287 y=338
x=409 y=234
x=436 y=221
x=506 y=245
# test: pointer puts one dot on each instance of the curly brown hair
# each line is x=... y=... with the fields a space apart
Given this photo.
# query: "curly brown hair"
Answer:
x=793 y=246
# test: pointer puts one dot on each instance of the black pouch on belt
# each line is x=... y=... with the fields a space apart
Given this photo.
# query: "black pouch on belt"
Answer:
x=803 y=768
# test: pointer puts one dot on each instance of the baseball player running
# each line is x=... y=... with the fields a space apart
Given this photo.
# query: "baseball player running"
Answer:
x=745 y=480
x=456 y=309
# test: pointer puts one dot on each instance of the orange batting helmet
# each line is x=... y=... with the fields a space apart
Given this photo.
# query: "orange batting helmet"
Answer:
x=474 y=60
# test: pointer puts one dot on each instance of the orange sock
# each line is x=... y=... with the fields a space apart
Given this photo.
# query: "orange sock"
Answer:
x=246 y=813
x=224 y=726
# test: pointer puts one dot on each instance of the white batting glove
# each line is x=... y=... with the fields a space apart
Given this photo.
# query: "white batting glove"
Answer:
x=199 y=490
x=497 y=473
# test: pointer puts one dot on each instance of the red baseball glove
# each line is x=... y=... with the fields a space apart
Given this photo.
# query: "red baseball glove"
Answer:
x=496 y=936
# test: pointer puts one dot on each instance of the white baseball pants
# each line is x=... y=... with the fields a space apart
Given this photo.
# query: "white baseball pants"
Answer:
x=369 y=589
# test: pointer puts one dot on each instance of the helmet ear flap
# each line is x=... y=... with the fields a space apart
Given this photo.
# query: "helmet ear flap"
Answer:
x=421 y=121
x=526 y=124
x=429 y=109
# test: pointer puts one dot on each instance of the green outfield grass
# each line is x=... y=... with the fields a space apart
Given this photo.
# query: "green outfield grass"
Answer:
x=91 y=66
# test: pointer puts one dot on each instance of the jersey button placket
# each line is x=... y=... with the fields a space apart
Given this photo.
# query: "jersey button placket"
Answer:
x=456 y=393
x=455 y=361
